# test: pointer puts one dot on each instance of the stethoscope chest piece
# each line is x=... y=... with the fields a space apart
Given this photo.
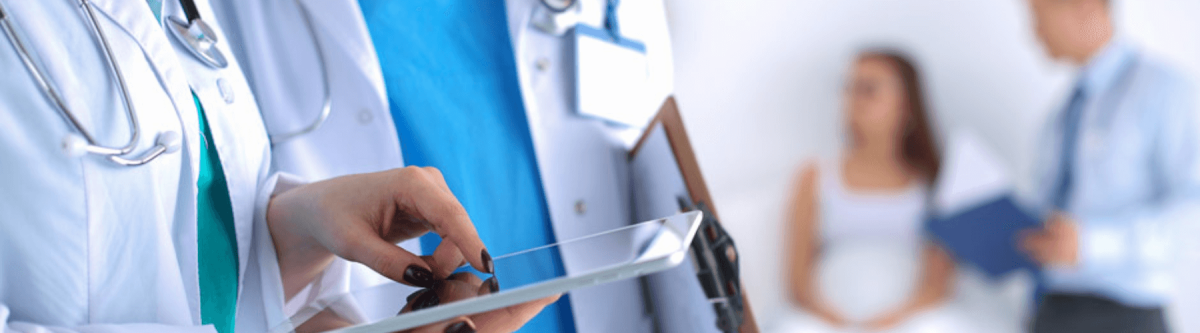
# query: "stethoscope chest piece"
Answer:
x=199 y=39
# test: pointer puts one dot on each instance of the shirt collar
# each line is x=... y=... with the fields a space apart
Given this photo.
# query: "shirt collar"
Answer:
x=1105 y=67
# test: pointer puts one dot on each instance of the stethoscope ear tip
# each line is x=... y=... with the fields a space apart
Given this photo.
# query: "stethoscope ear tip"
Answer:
x=170 y=140
x=74 y=145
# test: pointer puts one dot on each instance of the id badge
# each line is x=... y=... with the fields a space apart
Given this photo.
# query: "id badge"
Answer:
x=611 y=77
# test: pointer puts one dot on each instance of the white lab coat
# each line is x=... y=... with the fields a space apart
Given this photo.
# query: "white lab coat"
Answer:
x=582 y=160
x=579 y=158
x=276 y=48
x=274 y=45
x=91 y=246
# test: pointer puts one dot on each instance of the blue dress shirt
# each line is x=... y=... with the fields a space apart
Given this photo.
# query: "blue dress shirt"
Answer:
x=1134 y=178
x=451 y=80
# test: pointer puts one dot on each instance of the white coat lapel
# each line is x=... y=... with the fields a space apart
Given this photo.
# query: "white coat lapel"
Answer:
x=343 y=35
x=235 y=123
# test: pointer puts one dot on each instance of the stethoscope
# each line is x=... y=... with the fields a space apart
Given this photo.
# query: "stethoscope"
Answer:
x=555 y=17
x=200 y=41
x=77 y=145
x=327 y=103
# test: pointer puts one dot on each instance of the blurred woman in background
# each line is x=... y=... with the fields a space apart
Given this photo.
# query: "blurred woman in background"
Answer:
x=857 y=258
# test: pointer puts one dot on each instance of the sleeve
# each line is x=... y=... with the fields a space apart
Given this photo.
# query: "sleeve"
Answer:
x=263 y=307
x=1141 y=237
x=263 y=295
x=7 y=326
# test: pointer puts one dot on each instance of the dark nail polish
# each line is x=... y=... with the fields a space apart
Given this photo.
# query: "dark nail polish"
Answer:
x=413 y=295
x=418 y=276
x=427 y=299
x=460 y=327
x=487 y=262
x=493 y=284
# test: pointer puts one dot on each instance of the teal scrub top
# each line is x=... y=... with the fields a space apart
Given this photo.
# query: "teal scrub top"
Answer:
x=452 y=87
x=216 y=237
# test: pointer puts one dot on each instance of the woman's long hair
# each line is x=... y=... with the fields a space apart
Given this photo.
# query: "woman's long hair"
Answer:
x=919 y=149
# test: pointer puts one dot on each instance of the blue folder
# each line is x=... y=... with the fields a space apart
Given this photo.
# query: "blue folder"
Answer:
x=986 y=236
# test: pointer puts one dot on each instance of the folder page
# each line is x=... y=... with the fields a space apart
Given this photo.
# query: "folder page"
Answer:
x=976 y=217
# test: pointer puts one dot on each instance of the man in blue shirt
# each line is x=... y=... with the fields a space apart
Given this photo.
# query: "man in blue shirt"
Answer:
x=1119 y=171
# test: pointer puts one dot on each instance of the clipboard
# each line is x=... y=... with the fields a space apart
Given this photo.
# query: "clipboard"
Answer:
x=985 y=236
x=976 y=217
x=663 y=165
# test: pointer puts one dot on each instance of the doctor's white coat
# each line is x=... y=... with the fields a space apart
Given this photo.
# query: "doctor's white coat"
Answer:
x=87 y=245
x=579 y=158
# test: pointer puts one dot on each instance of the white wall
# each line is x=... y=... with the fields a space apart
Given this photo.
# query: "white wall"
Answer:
x=758 y=82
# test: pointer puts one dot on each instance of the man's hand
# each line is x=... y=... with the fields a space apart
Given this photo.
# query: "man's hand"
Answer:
x=362 y=217
x=1057 y=244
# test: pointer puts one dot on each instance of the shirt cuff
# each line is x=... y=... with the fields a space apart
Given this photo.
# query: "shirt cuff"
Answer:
x=1101 y=247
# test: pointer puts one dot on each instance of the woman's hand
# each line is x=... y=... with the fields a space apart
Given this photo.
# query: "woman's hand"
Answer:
x=830 y=316
x=362 y=217
x=936 y=279
x=888 y=320
x=454 y=288
x=463 y=286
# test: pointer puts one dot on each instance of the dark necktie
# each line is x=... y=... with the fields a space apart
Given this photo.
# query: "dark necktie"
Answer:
x=1070 y=140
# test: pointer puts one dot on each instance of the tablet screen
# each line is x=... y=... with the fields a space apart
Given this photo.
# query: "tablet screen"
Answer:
x=626 y=252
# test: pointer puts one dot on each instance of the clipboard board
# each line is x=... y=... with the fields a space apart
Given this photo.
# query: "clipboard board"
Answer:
x=661 y=161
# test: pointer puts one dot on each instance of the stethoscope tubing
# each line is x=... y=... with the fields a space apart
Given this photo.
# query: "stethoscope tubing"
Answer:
x=52 y=93
x=167 y=142
x=327 y=103
x=115 y=69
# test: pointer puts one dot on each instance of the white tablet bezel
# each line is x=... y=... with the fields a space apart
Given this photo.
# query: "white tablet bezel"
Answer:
x=536 y=291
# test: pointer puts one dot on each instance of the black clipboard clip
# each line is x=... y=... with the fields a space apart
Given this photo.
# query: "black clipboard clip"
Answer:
x=716 y=260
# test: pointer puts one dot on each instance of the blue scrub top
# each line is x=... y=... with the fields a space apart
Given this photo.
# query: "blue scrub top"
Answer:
x=452 y=87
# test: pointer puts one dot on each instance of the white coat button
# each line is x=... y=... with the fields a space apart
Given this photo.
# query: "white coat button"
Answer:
x=542 y=64
x=226 y=90
x=580 y=207
x=365 y=117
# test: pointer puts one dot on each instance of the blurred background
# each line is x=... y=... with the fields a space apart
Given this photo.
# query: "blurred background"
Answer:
x=759 y=83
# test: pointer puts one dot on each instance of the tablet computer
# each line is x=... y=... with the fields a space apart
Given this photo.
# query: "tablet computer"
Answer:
x=632 y=251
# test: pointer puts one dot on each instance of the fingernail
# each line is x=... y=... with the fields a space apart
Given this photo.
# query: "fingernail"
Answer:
x=413 y=295
x=493 y=284
x=418 y=276
x=425 y=300
x=460 y=327
x=487 y=262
